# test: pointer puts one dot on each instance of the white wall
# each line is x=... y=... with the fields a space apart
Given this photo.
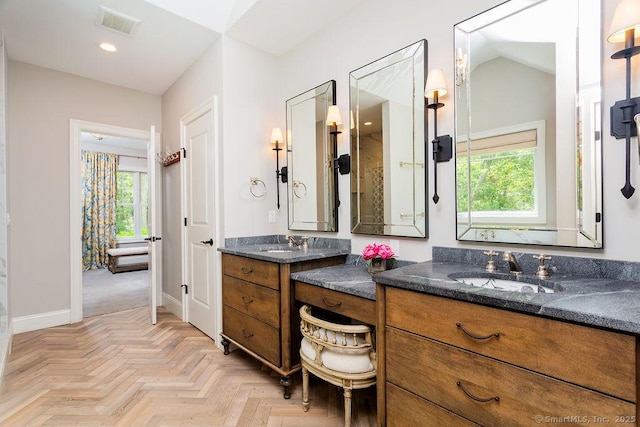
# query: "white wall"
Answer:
x=379 y=28
x=40 y=104
x=251 y=108
x=197 y=85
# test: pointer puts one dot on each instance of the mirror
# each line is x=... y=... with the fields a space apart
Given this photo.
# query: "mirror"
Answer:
x=311 y=179
x=389 y=169
x=528 y=124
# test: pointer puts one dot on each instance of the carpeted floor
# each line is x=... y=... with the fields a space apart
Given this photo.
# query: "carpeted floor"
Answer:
x=103 y=292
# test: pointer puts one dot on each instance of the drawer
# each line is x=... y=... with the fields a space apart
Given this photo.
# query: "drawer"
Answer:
x=597 y=359
x=421 y=413
x=458 y=379
x=253 y=334
x=255 y=300
x=252 y=270
x=358 y=308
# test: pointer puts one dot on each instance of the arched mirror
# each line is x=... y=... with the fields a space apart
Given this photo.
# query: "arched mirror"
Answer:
x=528 y=124
x=310 y=154
x=389 y=175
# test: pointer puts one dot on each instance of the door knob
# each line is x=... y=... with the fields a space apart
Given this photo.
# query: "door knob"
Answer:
x=207 y=242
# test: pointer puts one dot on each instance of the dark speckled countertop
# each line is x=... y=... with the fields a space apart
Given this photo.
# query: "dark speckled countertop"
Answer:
x=349 y=279
x=603 y=302
x=274 y=248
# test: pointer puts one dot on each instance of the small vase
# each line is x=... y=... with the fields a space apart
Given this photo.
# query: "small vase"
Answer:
x=376 y=265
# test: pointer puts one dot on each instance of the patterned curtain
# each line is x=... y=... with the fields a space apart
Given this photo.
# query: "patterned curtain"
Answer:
x=99 y=173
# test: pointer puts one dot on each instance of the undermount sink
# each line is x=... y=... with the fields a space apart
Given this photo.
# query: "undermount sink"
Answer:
x=278 y=250
x=507 y=285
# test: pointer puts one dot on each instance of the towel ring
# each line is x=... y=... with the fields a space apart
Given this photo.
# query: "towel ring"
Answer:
x=254 y=183
x=296 y=187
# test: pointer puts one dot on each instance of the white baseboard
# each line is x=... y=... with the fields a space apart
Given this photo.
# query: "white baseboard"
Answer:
x=172 y=304
x=41 y=321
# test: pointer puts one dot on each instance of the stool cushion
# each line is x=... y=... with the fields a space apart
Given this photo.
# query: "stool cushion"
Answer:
x=334 y=359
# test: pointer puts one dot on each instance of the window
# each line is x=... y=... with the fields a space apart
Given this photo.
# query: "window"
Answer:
x=132 y=205
x=505 y=177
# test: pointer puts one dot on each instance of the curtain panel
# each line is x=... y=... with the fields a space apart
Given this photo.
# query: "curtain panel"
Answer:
x=99 y=191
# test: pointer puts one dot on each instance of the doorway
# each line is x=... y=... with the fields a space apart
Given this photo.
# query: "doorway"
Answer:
x=114 y=168
x=135 y=161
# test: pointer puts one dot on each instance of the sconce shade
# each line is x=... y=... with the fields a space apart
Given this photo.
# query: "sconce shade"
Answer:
x=333 y=116
x=435 y=83
x=626 y=17
x=276 y=135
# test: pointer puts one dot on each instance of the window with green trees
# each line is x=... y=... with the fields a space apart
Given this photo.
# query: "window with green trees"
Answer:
x=132 y=205
x=499 y=182
x=504 y=175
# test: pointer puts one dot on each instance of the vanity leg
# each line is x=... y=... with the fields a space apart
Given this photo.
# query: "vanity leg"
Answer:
x=286 y=383
x=225 y=343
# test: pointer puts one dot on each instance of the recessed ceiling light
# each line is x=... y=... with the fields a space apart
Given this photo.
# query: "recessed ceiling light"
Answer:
x=108 y=47
x=368 y=123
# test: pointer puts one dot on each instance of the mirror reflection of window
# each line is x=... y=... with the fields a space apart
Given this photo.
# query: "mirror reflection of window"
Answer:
x=530 y=61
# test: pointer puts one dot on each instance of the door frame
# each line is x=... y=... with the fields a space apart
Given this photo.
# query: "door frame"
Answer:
x=76 y=127
x=209 y=105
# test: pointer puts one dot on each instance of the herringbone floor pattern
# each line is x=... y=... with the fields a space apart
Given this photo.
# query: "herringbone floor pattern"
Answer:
x=119 y=370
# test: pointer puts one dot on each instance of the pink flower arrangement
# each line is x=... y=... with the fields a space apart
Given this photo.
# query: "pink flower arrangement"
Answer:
x=377 y=251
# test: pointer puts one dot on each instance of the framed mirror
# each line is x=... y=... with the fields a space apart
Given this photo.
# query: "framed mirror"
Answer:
x=528 y=124
x=311 y=179
x=389 y=168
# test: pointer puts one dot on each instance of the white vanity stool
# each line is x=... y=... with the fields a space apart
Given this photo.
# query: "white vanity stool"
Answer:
x=343 y=355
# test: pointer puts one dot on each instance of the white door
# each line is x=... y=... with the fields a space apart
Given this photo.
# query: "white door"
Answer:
x=199 y=212
x=155 y=212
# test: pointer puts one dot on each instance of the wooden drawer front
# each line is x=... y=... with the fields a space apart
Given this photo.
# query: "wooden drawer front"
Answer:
x=594 y=358
x=256 y=301
x=358 y=308
x=406 y=409
x=257 y=336
x=441 y=373
x=252 y=270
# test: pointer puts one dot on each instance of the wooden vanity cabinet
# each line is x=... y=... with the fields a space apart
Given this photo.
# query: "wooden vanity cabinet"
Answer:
x=257 y=310
x=470 y=364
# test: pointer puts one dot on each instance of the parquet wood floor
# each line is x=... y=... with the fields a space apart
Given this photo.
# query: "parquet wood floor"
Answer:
x=119 y=370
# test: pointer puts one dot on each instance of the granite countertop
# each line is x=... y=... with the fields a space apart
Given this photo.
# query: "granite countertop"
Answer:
x=282 y=254
x=349 y=279
x=603 y=302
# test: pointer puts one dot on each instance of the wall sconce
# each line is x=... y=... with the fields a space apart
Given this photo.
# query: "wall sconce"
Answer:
x=276 y=138
x=341 y=164
x=461 y=67
x=437 y=86
x=623 y=28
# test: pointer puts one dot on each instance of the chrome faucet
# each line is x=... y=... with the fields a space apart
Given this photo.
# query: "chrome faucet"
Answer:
x=514 y=265
x=302 y=243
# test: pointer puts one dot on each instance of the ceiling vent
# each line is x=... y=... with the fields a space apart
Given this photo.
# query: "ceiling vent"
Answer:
x=116 y=21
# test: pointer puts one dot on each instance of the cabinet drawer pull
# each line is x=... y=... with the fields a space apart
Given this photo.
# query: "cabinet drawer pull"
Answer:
x=246 y=335
x=329 y=304
x=246 y=270
x=476 y=398
x=477 y=337
x=247 y=300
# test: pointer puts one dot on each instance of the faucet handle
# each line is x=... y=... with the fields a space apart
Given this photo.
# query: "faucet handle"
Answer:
x=289 y=240
x=305 y=242
x=542 y=272
x=491 y=265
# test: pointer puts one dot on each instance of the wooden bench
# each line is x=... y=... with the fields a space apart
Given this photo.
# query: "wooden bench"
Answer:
x=115 y=254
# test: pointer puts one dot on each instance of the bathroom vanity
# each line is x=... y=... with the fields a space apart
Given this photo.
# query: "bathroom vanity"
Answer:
x=257 y=301
x=462 y=355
